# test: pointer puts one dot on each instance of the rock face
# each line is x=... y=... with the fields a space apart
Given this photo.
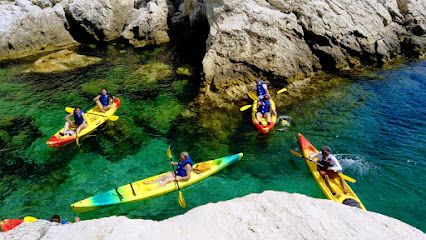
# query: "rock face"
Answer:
x=269 y=215
x=26 y=28
x=147 y=25
x=290 y=39
x=102 y=20
x=62 y=61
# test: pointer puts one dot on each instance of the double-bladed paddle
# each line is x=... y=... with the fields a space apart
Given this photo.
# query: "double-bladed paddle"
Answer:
x=253 y=96
x=112 y=118
x=340 y=174
x=181 y=200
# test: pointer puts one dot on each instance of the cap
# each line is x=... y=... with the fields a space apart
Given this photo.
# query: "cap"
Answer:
x=326 y=149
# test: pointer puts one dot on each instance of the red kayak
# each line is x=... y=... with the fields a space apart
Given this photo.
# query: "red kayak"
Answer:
x=9 y=224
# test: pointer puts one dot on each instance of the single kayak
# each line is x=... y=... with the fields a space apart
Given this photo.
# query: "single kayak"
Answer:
x=348 y=199
x=9 y=224
x=94 y=119
x=137 y=191
x=264 y=128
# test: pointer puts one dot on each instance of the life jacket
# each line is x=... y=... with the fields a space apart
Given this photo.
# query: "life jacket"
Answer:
x=325 y=164
x=104 y=99
x=264 y=108
x=260 y=90
x=180 y=170
x=65 y=222
x=78 y=119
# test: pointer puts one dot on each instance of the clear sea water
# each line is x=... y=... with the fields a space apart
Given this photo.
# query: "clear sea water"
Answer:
x=375 y=123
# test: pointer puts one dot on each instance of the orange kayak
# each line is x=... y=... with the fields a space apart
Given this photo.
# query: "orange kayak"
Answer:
x=264 y=128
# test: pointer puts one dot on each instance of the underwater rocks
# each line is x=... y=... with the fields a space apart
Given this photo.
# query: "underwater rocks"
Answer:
x=26 y=28
x=62 y=61
x=286 y=40
x=268 y=215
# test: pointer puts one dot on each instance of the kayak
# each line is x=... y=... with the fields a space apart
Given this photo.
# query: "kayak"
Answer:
x=93 y=122
x=348 y=199
x=138 y=190
x=9 y=224
x=264 y=128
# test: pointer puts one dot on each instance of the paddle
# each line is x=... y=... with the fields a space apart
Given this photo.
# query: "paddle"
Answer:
x=255 y=98
x=112 y=118
x=340 y=174
x=181 y=200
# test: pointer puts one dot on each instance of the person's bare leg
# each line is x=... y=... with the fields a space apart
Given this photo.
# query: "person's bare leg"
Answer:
x=67 y=124
x=100 y=106
x=106 y=108
x=162 y=178
x=327 y=182
x=342 y=181
x=268 y=116
x=259 y=117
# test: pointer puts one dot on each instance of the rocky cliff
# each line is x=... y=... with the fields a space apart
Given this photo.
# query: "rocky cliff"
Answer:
x=269 y=215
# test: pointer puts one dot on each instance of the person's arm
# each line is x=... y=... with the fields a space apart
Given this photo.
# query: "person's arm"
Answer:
x=84 y=118
x=97 y=98
x=173 y=163
x=266 y=89
x=273 y=110
x=335 y=164
x=67 y=118
x=188 y=169
x=314 y=156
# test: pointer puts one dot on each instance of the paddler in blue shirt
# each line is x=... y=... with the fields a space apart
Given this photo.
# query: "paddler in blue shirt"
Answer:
x=263 y=108
x=182 y=172
x=79 y=122
x=328 y=166
x=261 y=89
x=103 y=100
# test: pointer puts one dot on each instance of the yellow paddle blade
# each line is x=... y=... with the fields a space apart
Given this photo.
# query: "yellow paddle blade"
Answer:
x=30 y=219
x=243 y=108
x=296 y=153
x=113 y=118
x=181 y=200
x=69 y=109
x=346 y=177
x=253 y=96
x=282 y=90
x=169 y=153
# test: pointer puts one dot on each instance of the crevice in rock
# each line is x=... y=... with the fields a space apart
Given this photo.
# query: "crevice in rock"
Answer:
x=78 y=32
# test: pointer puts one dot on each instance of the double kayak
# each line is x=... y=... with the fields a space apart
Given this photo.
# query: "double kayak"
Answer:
x=138 y=190
x=264 y=127
x=348 y=199
x=94 y=119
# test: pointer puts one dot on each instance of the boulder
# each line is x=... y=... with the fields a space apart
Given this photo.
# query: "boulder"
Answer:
x=147 y=25
x=268 y=215
x=64 y=60
x=100 y=20
x=26 y=28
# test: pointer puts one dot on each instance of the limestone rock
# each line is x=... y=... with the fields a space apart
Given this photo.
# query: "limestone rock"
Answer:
x=283 y=40
x=147 y=25
x=62 y=61
x=101 y=20
x=26 y=28
x=269 y=215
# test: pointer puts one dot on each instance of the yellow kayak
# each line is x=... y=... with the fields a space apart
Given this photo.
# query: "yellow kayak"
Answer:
x=94 y=119
x=264 y=128
x=138 y=190
x=348 y=199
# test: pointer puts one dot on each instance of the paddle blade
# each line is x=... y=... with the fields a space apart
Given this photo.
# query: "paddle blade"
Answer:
x=169 y=153
x=253 y=96
x=30 y=219
x=347 y=178
x=282 y=90
x=113 y=118
x=296 y=153
x=69 y=109
x=243 y=108
x=181 y=200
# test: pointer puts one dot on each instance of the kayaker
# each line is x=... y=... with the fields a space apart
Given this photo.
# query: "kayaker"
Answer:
x=261 y=89
x=182 y=172
x=328 y=166
x=79 y=121
x=57 y=218
x=263 y=109
x=103 y=100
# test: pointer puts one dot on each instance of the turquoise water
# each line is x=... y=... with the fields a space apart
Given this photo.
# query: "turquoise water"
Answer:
x=374 y=122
